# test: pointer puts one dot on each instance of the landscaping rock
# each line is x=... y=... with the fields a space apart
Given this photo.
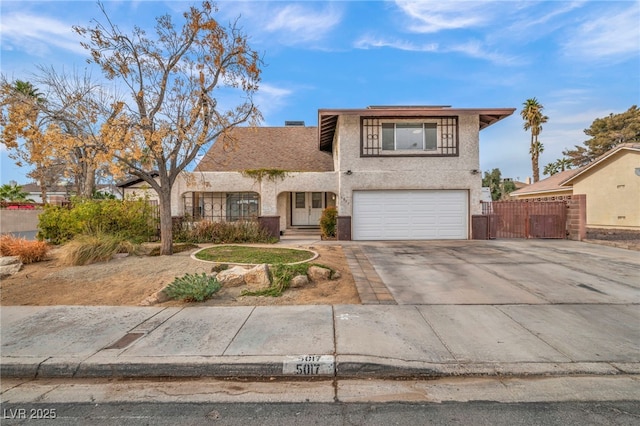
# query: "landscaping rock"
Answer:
x=299 y=281
x=316 y=273
x=336 y=275
x=161 y=296
x=258 y=278
x=9 y=260
x=149 y=301
x=232 y=277
x=9 y=265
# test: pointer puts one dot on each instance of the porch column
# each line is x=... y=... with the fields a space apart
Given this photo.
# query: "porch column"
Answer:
x=268 y=198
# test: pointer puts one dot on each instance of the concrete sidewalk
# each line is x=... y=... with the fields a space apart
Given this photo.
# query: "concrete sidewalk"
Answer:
x=382 y=341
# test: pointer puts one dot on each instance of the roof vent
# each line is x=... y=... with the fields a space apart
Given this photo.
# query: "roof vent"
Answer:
x=294 y=123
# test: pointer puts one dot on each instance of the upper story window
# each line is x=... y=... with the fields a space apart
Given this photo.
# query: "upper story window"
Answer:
x=409 y=136
x=430 y=136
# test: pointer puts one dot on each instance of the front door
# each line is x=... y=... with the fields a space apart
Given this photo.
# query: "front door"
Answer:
x=306 y=208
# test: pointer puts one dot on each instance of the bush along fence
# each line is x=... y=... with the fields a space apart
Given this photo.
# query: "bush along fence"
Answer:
x=135 y=220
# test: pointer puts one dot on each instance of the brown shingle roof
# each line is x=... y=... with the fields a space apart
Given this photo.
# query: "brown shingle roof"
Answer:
x=552 y=183
x=287 y=148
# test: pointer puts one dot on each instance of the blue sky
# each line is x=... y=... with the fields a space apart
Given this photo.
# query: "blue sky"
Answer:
x=580 y=59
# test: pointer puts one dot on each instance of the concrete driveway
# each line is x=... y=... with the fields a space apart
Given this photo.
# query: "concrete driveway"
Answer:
x=499 y=272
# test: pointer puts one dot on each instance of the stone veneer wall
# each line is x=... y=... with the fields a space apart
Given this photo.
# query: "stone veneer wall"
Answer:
x=577 y=217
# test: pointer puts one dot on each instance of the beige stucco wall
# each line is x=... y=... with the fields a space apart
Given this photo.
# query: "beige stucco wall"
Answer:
x=613 y=192
x=407 y=172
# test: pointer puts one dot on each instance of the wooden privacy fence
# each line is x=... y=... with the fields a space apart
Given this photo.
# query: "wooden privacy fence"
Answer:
x=523 y=219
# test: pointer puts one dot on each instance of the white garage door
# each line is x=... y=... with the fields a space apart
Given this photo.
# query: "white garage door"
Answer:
x=410 y=215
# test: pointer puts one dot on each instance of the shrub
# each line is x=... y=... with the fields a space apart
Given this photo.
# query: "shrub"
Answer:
x=282 y=275
x=130 y=219
x=228 y=232
x=87 y=249
x=27 y=251
x=328 y=222
x=192 y=288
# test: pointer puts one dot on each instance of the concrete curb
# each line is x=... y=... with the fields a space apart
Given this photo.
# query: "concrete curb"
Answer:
x=345 y=367
x=371 y=367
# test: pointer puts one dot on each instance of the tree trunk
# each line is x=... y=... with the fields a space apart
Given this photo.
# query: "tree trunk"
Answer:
x=535 y=155
x=532 y=151
x=43 y=193
x=166 y=224
x=86 y=181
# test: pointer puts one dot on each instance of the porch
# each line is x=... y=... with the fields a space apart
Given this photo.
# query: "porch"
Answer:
x=297 y=213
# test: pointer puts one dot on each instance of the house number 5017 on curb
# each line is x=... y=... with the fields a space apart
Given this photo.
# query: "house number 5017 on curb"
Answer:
x=309 y=365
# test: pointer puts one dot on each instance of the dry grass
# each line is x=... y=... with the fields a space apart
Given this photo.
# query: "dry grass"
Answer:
x=27 y=251
x=87 y=249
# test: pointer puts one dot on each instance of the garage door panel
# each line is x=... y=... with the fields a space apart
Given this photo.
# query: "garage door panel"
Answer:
x=404 y=215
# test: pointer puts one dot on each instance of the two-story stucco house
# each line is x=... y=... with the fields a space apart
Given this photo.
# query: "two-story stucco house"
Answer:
x=393 y=173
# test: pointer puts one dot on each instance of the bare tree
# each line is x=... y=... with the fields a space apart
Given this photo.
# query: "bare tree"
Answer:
x=176 y=82
x=59 y=130
x=21 y=127
x=78 y=107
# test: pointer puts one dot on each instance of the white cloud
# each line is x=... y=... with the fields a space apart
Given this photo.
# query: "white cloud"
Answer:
x=478 y=50
x=530 y=20
x=582 y=118
x=473 y=49
x=271 y=99
x=435 y=15
x=367 y=42
x=37 y=34
x=300 y=23
x=607 y=36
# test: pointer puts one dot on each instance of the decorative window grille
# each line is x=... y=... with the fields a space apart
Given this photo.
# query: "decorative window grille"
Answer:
x=221 y=207
x=418 y=136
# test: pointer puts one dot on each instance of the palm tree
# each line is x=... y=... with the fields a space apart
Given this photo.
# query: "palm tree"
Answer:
x=27 y=89
x=533 y=119
x=13 y=193
x=560 y=165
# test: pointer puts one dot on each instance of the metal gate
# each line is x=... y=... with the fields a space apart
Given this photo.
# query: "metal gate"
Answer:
x=526 y=219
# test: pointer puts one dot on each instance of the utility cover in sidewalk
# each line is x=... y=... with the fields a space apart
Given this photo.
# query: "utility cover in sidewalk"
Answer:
x=125 y=340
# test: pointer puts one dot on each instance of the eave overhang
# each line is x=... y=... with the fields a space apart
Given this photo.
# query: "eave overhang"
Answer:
x=328 y=118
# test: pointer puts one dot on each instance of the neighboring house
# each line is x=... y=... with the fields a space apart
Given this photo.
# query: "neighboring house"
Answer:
x=611 y=184
x=394 y=173
x=135 y=187
x=55 y=194
x=550 y=187
x=60 y=192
